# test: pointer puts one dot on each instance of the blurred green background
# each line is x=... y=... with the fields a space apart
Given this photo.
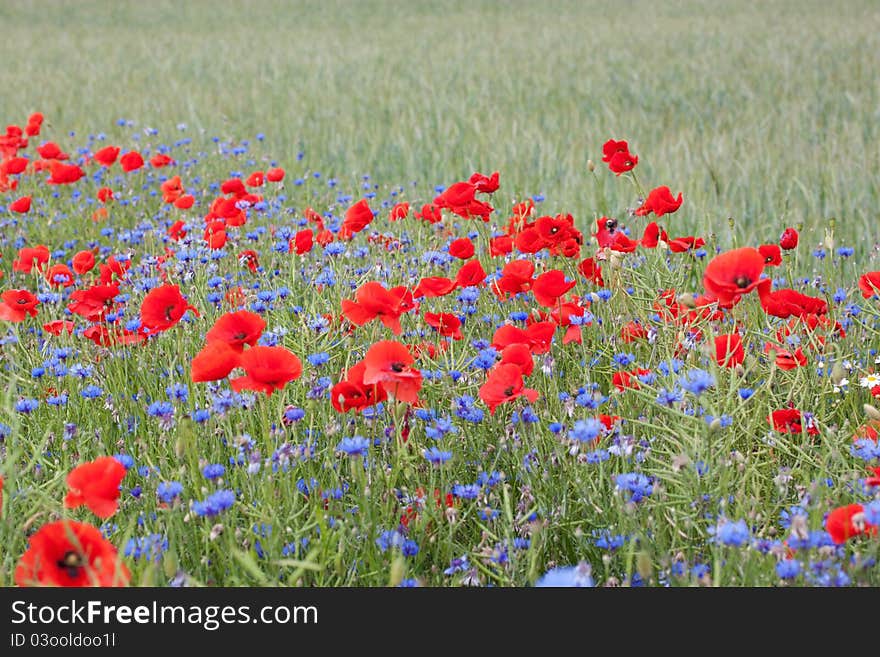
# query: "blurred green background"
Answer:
x=765 y=112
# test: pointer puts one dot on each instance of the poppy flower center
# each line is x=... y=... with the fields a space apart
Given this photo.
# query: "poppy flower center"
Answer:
x=742 y=281
x=241 y=335
x=554 y=230
x=72 y=562
x=397 y=366
x=22 y=301
x=508 y=391
x=611 y=224
x=168 y=314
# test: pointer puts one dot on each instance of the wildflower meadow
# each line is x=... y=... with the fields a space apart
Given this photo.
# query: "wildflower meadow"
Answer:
x=367 y=308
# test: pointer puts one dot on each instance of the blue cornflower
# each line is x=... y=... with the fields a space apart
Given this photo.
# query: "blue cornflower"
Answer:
x=605 y=540
x=696 y=381
x=214 y=504
x=168 y=490
x=160 y=409
x=467 y=491
x=636 y=484
x=624 y=360
x=788 y=568
x=731 y=533
x=409 y=548
x=149 y=548
x=457 y=565
x=436 y=455
x=580 y=576
x=26 y=405
x=178 y=391
x=586 y=431
x=670 y=397
x=125 y=459
x=872 y=512
x=213 y=471
x=355 y=446
x=316 y=360
x=91 y=392
x=486 y=358
x=389 y=539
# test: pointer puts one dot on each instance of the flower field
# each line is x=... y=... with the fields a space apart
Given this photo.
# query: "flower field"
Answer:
x=224 y=364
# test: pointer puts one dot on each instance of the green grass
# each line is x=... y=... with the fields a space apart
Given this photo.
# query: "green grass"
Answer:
x=768 y=118
x=764 y=116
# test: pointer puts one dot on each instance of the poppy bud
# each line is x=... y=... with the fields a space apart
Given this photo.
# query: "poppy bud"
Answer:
x=398 y=570
x=591 y=166
x=838 y=373
x=872 y=412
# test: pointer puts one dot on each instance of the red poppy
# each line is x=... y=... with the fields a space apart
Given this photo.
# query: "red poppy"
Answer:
x=447 y=324
x=398 y=212
x=660 y=201
x=623 y=380
x=104 y=194
x=869 y=284
x=591 y=271
x=30 y=257
x=610 y=235
x=59 y=276
x=94 y=302
x=550 y=286
x=772 y=254
x=302 y=242
x=52 y=151
x=430 y=213
x=618 y=157
x=357 y=217
x=729 y=350
x=353 y=393
x=106 y=156
x=846 y=522
x=387 y=363
x=459 y=199
x=503 y=384
x=434 y=286
x=470 y=274
x=160 y=160
x=59 y=326
x=537 y=336
x=163 y=307
x=16 y=305
x=484 y=184
x=789 y=303
x=500 y=245
x=267 y=369
x=237 y=329
x=215 y=234
x=516 y=277
x=35 y=122
x=372 y=300
x=651 y=236
x=732 y=274
x=786 y=360
x=461 y=248
x=131 y=161
x=789 y=420
x=789 y=239
x=21 y=205
x=250 y=259
x=96 y=485
x=633 y=331
x=214 y=362
x=234 y=186
x=114 y=270
x=275 y=175
x=64 y=174
x=70 y=553
x=520 y=355
x=171 y=189
x=13 y=166
x=185 y=202
x=683 y=244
